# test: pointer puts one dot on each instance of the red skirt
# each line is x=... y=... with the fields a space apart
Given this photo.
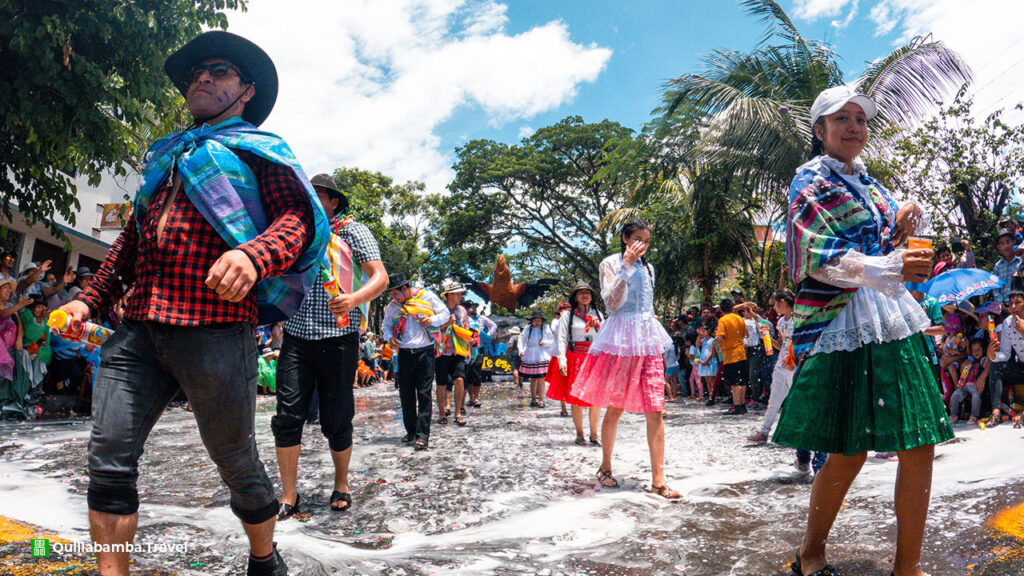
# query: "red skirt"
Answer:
x=560 y=387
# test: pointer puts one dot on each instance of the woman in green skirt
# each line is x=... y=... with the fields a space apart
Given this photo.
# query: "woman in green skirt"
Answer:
x=864 y=382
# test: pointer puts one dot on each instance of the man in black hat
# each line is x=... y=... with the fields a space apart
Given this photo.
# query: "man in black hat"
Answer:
x=408 y=319
x=319 y=354
x=82 y=279
x=224 y=212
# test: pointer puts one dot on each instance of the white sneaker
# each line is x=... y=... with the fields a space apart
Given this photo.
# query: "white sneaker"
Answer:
x=801 y=468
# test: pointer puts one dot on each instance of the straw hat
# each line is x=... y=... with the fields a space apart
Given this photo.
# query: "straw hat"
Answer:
x=452 y=287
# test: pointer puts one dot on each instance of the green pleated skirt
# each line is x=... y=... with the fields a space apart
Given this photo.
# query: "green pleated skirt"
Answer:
x=880 y=397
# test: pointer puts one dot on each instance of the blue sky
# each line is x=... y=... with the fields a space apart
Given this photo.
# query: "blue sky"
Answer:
x=396 y=85
x=652 y=42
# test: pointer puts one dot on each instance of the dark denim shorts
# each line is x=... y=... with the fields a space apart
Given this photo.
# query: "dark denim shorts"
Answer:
x=142 y=367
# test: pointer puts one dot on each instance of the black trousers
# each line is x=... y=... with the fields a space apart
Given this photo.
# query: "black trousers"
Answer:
x=325 y=368
x=143 y=366
x=415 y=383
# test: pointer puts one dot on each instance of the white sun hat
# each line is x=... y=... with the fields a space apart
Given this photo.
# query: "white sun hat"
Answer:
x=832 y=100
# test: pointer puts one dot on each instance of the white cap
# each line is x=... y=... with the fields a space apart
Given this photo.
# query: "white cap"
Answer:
x=832 y=100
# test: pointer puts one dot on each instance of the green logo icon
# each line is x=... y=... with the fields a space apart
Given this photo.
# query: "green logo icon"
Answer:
x=40 y=548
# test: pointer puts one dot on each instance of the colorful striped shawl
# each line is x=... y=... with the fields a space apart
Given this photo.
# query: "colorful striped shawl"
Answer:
x=826 y=220
x=225 y=191
x=339 y=263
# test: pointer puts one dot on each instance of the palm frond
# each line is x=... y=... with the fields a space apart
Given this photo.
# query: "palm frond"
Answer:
x=909 y=82
x=774 y=18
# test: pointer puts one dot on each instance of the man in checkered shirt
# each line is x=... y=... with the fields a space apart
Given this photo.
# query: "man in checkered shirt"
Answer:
x=190 y=317
x=318 y=356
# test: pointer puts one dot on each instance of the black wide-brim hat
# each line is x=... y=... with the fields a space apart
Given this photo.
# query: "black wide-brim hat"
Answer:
x=396 y=281
x=327 y=184
x=254 y=63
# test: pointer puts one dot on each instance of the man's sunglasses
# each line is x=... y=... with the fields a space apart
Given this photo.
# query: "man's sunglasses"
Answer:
x=216 y=70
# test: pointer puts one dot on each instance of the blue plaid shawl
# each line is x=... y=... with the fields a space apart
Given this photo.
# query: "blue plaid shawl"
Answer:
x=225 y=191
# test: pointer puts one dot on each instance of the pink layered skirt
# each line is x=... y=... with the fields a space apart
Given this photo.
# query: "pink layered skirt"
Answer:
x=624 y=367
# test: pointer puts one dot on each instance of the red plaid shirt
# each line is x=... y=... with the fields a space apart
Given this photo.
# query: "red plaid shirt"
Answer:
x=169 y=276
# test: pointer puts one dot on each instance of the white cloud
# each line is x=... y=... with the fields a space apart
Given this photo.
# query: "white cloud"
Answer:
x=525 y=132
x=840 y=24
x=986 y=34
x=367 y=83
x=814 y=9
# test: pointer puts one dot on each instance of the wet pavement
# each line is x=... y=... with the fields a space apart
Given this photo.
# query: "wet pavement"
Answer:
x=511 y=494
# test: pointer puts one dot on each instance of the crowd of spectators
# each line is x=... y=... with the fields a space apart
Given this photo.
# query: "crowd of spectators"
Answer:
x=36 y=364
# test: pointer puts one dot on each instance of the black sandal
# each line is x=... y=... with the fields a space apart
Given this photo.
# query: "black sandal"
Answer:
x=595 y=441
x=476 y=404
x=443 y=421
x=665 y=492
x=580 y=441
x=341 y=497
x=828 y=570
x=420 y=445
x=460 y=420
x=289 y=510
x=407 y=439
x=606 y=475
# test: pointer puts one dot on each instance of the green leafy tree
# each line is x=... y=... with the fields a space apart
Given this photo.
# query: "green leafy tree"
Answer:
x=84 y=90
x=721 y=152
x=966 y=170
x=540 y=199
x=756 y=104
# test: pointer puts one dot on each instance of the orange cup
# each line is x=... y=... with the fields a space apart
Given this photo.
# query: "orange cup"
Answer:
x=919 y=244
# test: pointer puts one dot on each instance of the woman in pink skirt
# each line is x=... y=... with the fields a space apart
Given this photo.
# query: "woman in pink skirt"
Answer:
x=624 y=369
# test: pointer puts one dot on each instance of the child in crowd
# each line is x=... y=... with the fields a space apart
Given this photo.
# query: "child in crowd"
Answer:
x=671 y=373
x=973 y=372
x=708 y=361
x=696 y=384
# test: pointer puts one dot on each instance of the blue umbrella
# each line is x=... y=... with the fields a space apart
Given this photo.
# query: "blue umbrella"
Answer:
x=961 y=284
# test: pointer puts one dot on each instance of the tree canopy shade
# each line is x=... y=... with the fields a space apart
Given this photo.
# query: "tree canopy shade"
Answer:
x=83 y=90
x=540 y=199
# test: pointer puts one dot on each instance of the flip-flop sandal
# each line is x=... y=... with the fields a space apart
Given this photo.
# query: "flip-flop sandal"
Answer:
x=595 y=441
x=407 y=439
x=443 y=421
x=828 y=570
x=476 y=404
x=420 y=445
x=341 y=497
x=580 y=441
x=460 y=421
x=289 y=510
x=606 y=475
x=665 y=492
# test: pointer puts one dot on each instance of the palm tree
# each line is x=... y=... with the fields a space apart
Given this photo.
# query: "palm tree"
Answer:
x=741 y=128
x=756 y=105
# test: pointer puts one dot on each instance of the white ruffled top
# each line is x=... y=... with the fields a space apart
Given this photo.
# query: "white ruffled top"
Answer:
x=631 y=328
x=881 y=310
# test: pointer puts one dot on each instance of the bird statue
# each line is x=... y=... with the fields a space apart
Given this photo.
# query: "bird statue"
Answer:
x=504 y=292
